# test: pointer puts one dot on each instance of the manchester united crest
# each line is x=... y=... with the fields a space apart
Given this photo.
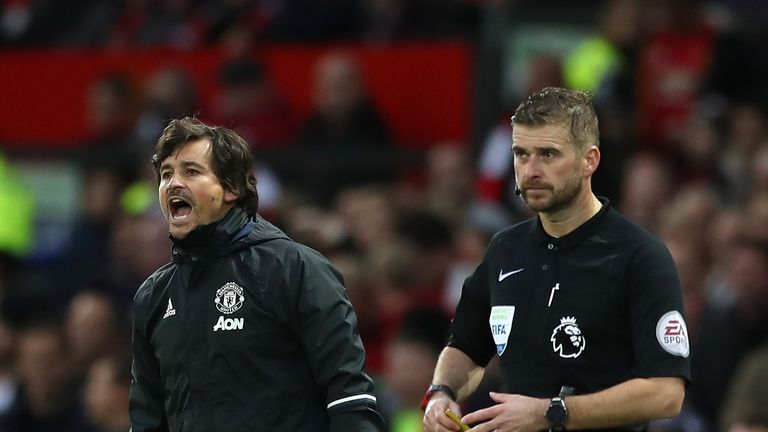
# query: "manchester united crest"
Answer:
x=229 y=298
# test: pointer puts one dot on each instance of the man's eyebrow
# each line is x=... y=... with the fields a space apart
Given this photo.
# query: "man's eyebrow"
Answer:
x=184 y=164
x=192 y=164
x=537 y=148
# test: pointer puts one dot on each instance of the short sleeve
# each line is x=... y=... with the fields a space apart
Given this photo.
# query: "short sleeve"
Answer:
x=659 y=331
x=469 y=330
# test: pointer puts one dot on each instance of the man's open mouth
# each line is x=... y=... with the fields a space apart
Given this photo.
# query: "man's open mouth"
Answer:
x=179 y=207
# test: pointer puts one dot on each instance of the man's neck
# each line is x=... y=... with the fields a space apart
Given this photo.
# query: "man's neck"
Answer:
x=561 y=223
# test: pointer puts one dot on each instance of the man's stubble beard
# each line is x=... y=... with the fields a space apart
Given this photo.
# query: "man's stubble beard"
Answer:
x=560 y=199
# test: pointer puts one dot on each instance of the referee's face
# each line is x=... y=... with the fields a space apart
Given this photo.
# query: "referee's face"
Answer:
x=548 y=168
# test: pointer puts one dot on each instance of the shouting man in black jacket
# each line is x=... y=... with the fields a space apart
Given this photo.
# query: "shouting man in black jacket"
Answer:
x=245 y=330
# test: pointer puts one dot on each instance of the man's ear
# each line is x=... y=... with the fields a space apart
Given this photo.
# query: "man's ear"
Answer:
x=591 y=160
x=230 y=197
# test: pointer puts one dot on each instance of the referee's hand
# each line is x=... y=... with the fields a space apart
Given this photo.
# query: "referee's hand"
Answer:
x=435 y=419
x=512 y=413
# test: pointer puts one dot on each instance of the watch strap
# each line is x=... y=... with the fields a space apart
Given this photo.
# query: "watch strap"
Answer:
x=434 y=388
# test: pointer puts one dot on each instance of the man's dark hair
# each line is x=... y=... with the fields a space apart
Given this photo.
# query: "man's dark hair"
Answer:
x=231 y=158
x=558 y=106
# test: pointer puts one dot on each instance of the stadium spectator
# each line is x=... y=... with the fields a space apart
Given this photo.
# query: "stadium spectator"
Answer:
x=738 y=324
x=166 y=23
x=410 y=357
x=139 y=245
x=169 y=93
x=47 y=399
x=106 y=393
x=674 y=63
x=345 y=141
x=742 y=411
x=606 y=55
x=747 y=134
x=248 y=104
x=94 y=329
x=316 y=20
x=369 y=216
x=646 y=184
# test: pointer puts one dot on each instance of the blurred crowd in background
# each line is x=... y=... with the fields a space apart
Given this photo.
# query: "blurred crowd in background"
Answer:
x=679 y=85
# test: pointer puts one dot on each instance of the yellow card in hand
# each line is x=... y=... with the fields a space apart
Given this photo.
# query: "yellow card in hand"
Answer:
x=452 y=415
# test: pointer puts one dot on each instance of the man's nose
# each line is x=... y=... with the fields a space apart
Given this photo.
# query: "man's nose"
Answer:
x=175 y=182
x=531 y=170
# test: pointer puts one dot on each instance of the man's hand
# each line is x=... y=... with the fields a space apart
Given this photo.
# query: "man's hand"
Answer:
x=435 y=419
x=512 y=413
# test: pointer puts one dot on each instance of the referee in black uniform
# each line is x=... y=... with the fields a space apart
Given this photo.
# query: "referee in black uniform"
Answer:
x=582 y=307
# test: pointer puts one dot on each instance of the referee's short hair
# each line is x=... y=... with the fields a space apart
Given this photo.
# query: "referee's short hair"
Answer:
x=558 y=106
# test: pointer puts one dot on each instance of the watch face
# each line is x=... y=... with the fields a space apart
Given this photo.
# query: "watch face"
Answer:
x=556 y=413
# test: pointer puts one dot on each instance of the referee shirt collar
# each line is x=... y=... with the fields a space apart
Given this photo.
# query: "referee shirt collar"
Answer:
x=576 y=236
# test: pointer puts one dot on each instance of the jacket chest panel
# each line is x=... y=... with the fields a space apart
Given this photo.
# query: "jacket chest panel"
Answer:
x=220 y=318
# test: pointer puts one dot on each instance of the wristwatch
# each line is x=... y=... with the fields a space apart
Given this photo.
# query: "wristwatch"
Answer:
x=434 y=388
x=557 y=413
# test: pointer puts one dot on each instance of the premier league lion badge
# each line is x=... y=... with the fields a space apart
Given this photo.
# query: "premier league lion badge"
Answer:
x=567 y=339
x=229 y=298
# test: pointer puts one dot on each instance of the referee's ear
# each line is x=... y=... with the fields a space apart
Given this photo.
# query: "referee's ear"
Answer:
x=591 y=160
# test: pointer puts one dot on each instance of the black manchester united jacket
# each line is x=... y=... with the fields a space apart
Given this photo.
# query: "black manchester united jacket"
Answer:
x=246 y=330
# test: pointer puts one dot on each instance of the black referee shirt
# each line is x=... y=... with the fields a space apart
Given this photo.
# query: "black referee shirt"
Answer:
x=590 y=310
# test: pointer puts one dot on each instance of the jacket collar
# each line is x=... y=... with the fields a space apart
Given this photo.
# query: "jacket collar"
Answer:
x=214 y=238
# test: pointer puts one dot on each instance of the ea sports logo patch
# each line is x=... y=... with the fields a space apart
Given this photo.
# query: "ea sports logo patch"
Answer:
x=567 y=339
x=672 y=334
x=229 y=298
